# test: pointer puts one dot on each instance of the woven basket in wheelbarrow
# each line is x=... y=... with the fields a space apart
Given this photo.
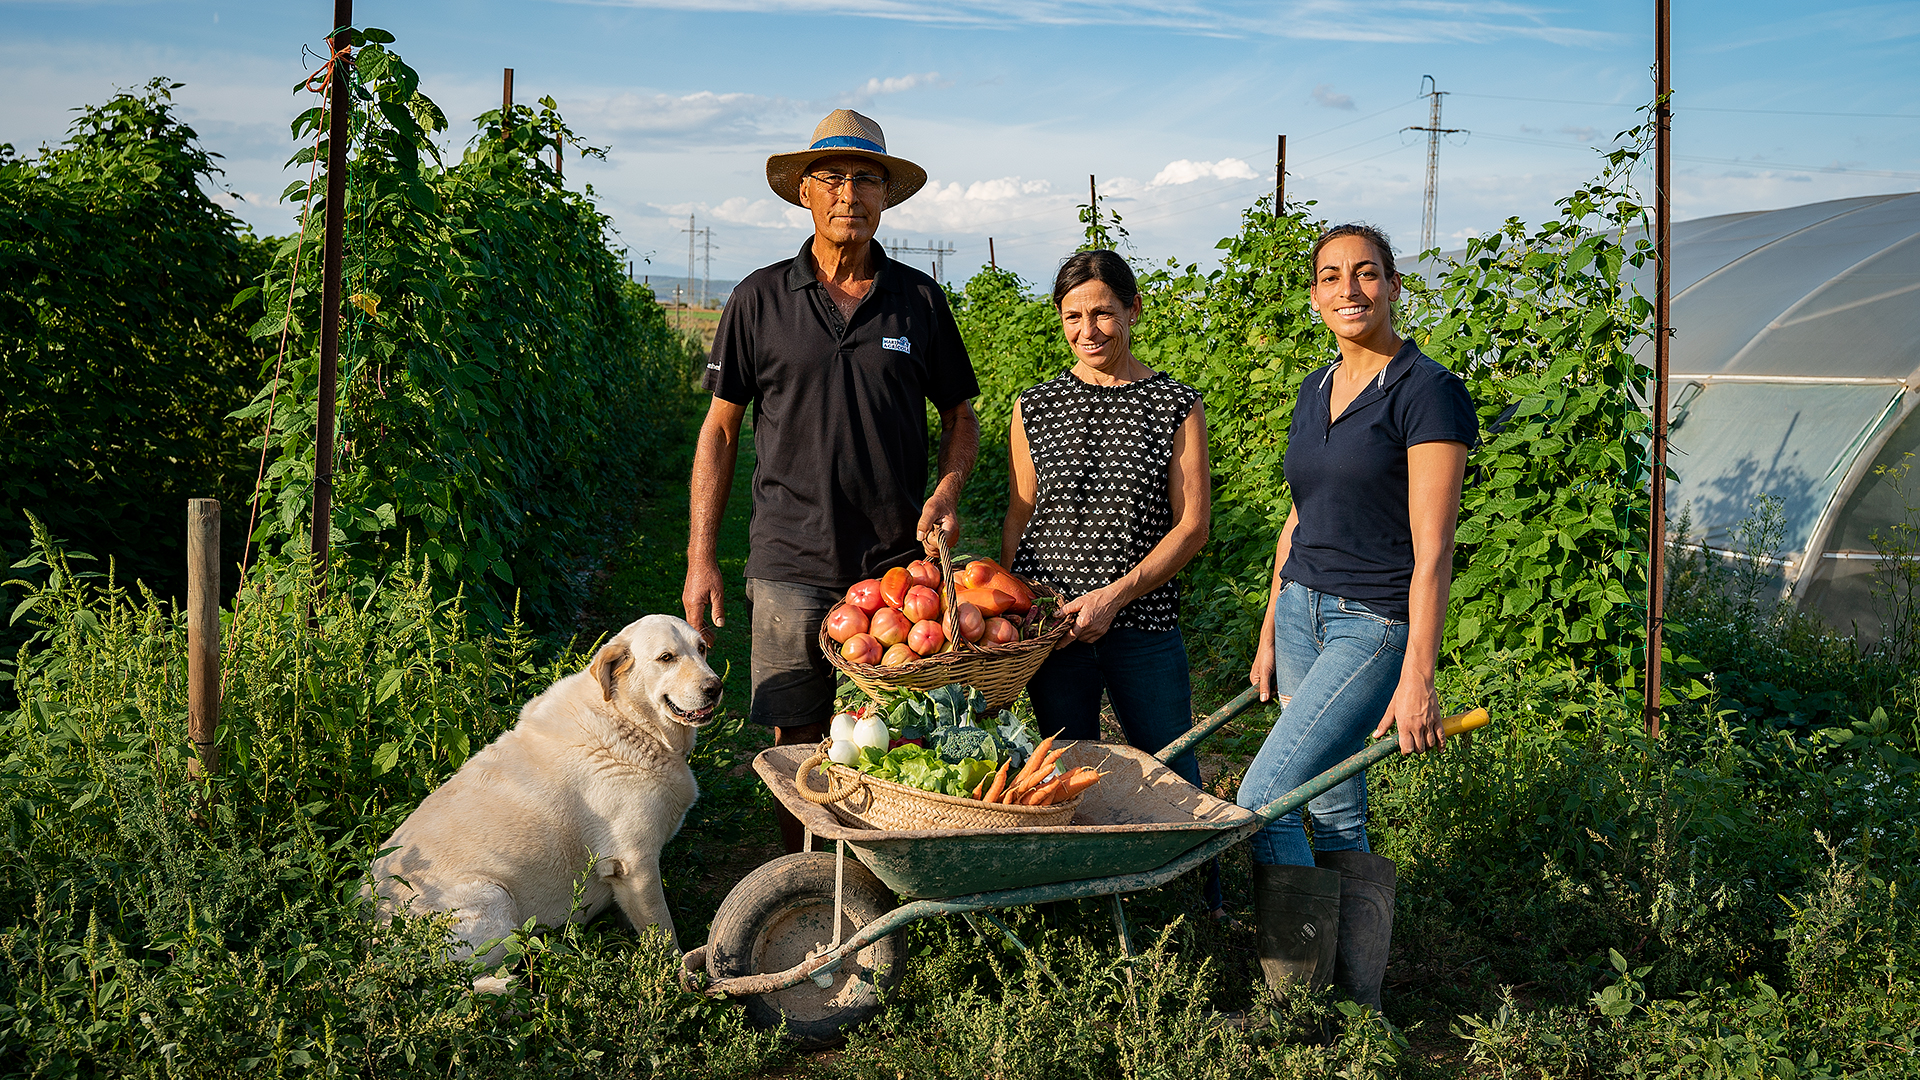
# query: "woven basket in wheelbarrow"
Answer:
x=872 y=803
x=999 y=672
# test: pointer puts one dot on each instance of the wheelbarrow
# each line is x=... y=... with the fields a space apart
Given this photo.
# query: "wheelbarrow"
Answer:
x=808 y=940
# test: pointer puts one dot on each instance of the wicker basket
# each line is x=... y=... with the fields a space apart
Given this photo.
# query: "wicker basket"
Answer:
x=868 y=802
x=999 y=672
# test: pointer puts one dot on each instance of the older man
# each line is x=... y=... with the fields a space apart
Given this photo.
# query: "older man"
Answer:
x=837 y=350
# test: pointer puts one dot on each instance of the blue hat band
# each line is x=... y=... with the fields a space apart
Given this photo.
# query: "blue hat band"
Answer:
x=850 y=142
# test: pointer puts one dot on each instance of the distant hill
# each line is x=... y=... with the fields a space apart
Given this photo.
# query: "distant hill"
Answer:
x=666 y=286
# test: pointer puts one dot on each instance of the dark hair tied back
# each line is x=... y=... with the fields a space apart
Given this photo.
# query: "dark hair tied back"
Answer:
x=1368 y=233
x=1103 y=266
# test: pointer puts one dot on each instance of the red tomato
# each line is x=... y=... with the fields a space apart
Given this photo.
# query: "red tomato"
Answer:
x=894 y=585
x=926 y=638
x=865 y=595
x=890 y=626
x=863 y=649
x=898 y=654
x=974 y=575
x=972 y=623
x=844 y=621
x=925 y=572
x=921 y=604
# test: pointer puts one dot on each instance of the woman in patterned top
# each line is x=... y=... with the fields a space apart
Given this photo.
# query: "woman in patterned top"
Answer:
x=1109 y=498
x=1361 y=574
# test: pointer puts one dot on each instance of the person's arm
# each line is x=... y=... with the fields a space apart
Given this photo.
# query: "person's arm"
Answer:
x=1023 y=487
x=959 y=448
x=1434 y=474
x=1190 y=491
x=1261 y=675
x=714 y=455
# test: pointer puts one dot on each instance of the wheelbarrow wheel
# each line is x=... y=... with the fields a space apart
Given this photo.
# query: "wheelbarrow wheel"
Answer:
x=782 y=913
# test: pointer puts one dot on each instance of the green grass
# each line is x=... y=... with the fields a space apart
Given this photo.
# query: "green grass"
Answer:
x=1574 y=901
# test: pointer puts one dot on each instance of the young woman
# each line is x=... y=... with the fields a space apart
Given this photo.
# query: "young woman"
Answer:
x=1110 y=496
x=1352 y=632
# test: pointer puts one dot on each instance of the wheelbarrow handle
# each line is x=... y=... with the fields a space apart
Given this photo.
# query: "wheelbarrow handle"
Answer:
x=1214 y=722
x=1359 y=763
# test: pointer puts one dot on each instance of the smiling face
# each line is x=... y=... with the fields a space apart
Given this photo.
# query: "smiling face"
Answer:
x=850 y=213
x=1098 y=326
x=1353 y=294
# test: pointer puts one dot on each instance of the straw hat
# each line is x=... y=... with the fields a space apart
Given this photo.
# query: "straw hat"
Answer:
x=845 y=132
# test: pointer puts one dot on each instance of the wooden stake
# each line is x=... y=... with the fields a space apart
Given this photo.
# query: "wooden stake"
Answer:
x=991 y=261
x=506 y=102
x=203 y=634
x=1280 y=180
x=340 y=108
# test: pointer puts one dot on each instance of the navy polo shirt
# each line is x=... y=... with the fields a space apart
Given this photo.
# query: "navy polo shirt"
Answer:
x=1349 y=476
x=839 y=413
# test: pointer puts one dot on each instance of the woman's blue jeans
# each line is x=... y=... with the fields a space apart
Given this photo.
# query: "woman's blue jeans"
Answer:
x=1339 y=663
x=1144 y=673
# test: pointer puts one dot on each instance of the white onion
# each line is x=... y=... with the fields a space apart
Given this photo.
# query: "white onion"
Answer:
x=872 y=731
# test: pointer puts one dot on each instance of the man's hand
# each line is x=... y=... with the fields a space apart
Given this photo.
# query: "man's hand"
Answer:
x=942 y=510
x=959 y=445
x=704 y=588
x=714 y=456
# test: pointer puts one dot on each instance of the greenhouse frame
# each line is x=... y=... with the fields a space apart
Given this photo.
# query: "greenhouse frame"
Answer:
x=1795 y=372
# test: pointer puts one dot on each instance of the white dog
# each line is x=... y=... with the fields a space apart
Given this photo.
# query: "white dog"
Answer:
x=597 y=766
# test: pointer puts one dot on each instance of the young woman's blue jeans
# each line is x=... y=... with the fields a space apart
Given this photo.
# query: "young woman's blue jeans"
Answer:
x=1144 y=673
x=1339 y=663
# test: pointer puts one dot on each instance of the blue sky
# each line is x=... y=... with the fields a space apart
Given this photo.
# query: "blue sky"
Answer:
x=1174 y=105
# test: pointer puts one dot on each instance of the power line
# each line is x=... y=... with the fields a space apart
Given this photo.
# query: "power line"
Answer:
x=1691 y=108
x=1749 y=163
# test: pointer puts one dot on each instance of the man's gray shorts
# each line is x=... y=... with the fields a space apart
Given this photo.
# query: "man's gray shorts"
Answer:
x=792 y=682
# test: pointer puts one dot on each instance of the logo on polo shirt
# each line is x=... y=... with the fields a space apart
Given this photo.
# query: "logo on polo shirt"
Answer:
x=897 y=344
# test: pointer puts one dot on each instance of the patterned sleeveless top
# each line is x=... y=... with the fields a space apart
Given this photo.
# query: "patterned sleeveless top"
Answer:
x=1102 y=455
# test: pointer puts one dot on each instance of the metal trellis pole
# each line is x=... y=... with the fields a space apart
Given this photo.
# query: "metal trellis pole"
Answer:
x=339 y=107
x=1662 y=328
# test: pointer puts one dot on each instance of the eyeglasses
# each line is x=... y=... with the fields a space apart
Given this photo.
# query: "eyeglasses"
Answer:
x=863 y=183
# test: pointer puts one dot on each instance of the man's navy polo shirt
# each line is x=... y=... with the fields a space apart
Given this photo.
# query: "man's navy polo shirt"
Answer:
x=839 y=413
x=1349 y=476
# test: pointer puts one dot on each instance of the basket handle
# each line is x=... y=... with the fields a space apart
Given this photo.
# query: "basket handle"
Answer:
x=949 y=595
x=837 y=788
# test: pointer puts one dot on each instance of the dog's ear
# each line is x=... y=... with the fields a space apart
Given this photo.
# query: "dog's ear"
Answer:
x=611 y=662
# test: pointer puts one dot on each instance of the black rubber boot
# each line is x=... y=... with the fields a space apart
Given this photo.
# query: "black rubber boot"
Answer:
x=1298 y=908
x=1366 y=921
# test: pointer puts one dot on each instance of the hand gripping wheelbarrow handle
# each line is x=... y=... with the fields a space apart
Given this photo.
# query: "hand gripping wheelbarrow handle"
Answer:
x=1359 y=763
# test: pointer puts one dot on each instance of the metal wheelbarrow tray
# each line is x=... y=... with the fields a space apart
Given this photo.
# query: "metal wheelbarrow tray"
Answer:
x=1138 y=817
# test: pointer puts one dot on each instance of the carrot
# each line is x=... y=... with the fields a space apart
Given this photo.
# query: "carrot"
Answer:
x=1033 y=762
x=979 y=787
x=999 y=782
x=1043 y=794
x=1078 y=781
x=1044 y=771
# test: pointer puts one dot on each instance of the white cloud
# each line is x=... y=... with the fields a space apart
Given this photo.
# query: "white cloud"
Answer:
x=1186 y=172
x=1325 y=97
x=1401 y=21
x=1584 y=134
x=899 y=84
x=973 y=206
